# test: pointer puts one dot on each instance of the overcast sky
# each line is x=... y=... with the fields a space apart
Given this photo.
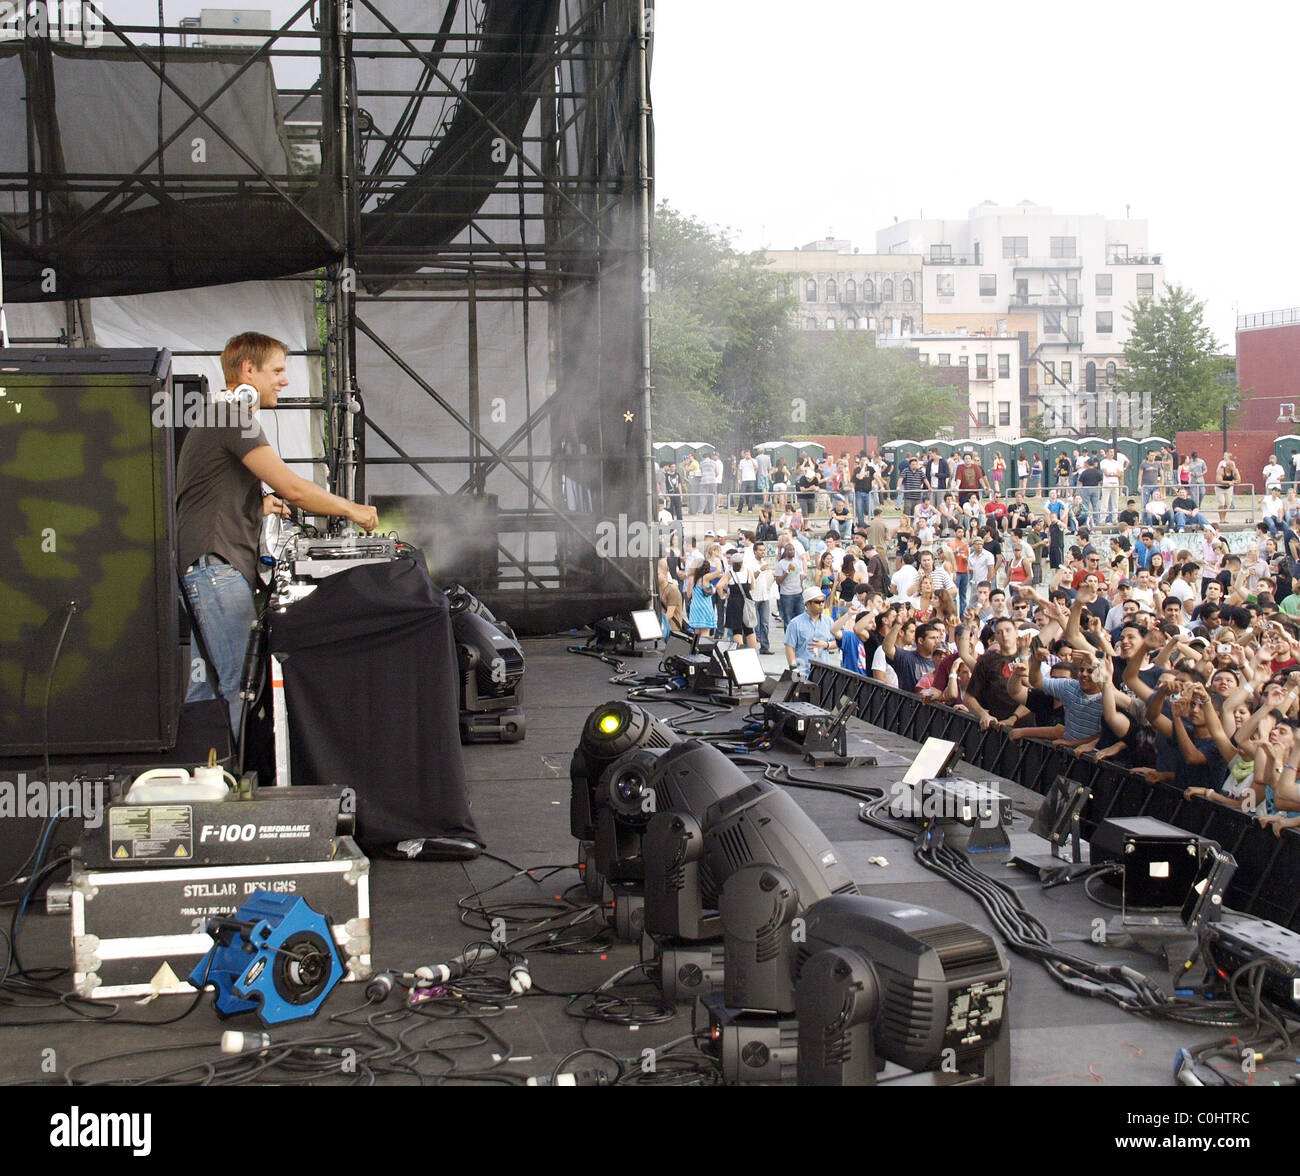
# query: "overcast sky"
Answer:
x=788 y=122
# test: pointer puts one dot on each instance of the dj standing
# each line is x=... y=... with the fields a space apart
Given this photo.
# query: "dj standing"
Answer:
x=219 y=506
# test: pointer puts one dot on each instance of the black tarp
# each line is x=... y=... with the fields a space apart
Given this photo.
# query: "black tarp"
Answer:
x=370 y=676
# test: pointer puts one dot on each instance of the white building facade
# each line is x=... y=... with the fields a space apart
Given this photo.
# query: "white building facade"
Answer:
x=1059 y=283
x=838 y=288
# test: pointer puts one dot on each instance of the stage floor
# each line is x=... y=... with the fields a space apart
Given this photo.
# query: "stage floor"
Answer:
x=521 y=803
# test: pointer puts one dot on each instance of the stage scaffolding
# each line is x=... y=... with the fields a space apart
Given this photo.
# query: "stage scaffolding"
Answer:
x=464 y=187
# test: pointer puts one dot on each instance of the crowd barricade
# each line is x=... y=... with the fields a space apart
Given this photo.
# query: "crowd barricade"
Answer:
x=1267 y=881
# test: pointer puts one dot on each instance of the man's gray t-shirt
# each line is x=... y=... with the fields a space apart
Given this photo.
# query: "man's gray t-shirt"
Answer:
x=218 y=499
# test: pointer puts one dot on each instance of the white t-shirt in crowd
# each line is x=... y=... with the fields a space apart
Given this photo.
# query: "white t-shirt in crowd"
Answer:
x=980 y=564
x=904 y=580
x=1111 y=469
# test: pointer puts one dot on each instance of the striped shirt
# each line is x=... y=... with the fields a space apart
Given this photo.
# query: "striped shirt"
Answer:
x=1083 y=712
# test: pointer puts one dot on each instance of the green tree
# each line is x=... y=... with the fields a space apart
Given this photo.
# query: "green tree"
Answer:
x=850 y=381
x=1171 y=364
x=722 y=351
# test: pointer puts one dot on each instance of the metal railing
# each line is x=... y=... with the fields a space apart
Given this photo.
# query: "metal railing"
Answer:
x=1266 y=864
x=729 y=510
x=1268 y=318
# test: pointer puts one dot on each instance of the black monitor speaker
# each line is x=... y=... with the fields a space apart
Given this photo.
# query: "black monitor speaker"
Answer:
x=87 y=574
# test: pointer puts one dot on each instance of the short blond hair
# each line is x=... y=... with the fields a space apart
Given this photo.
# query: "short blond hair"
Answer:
x=250 y=346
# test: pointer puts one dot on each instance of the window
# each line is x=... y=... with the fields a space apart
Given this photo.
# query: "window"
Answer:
x=810 y=324
x=1004 y=412
x=1004 y=367
x=850 y=291
x=1015 y=246
x=781 y=288
x=1063 y=247
x=1049 y=372
x=1146 y=285
x=830 y=324
x=1105 y=322
x=830 y=290
x=1022 y=289
x=887 y=290
x=988 y=285
x=909 y=291
x=1051 y=322
x=1067 y=371
x=945 y=359
x=1090 y=378
x=850 y=323
x=868 y=290
x=1066 y=417
x=964 y=360
x=943 y=285
x=982 y=414
x=907 y=325
x=887 y=325
x=981 y=367
x=940 y=252
x=810 y=291
x=925 y=358
x=1118 y=254
x=1105 y=285
x=1111 y=373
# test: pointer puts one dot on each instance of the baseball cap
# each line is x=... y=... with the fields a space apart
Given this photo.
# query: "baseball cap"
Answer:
x=710 y=534
x=811 y=593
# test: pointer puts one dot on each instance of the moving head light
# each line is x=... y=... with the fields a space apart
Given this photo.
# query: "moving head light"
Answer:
x=879 y=979
x=491 y=665
x=611 y=731
x=686 y=780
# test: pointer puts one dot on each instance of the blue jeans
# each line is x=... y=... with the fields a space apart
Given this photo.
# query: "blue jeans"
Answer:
x=225 y=610
x=1183 y=517
x=764 y=608
x=962 y=580
x=1092 y=503
x=789 y=606
x=862 y=506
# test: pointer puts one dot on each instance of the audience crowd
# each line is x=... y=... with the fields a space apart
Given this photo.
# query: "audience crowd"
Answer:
x=1120 y=626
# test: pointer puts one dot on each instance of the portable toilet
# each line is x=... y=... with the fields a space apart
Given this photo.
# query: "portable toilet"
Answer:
x=1053 y=448
x=1286 y=449
x=809 y=449
x=993 y=449
x=1025 y=448
x=1134 y=450
x=892 y=451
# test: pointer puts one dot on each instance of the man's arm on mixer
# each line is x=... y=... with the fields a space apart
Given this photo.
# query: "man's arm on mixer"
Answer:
x=299 y=492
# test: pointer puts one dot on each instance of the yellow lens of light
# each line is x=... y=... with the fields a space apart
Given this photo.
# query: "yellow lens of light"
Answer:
x=609 y=724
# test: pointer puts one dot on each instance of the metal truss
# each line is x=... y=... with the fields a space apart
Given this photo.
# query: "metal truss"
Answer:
x=514 y=176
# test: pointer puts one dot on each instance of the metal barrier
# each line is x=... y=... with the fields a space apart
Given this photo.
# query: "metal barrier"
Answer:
x=1267 y=881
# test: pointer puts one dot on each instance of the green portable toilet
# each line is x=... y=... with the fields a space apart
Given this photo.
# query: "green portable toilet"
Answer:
x=1286 y=448
x=809 y=449
x=891 y=453
x=1004 y=449
x=778 y=450
x=663 y=451
x=1135 y=451
x=1053 y=448
x=1025 y=448
x=945 y=448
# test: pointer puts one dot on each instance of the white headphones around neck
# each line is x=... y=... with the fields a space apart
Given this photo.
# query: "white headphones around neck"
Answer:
x=244 y=394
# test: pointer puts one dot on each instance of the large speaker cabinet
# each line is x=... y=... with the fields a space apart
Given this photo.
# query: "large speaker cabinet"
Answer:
x=86 y=555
